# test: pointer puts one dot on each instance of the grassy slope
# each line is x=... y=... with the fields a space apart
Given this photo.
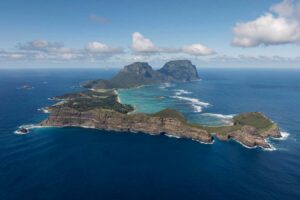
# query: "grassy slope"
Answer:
x=255 y=119
x=107 y=100
x=90 y=100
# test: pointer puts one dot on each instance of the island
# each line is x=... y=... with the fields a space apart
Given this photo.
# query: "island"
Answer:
x=99 y=107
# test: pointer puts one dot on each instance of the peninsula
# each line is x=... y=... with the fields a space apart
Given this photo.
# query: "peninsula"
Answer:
x=98 y=107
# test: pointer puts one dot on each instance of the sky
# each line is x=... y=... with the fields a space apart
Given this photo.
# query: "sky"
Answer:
x=113 y=33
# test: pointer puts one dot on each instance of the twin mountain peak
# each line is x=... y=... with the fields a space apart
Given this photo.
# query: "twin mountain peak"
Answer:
x=141 y=73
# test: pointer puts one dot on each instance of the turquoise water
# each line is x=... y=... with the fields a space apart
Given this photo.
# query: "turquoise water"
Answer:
x=180 y=96
x=75 y=163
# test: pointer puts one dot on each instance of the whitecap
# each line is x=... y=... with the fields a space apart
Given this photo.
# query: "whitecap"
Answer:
x=196 y=103
x=20 y=133
x=284 y=136
x=197 y=108
x=166 y=85
x=27 y=127
x=44 y=110
x=172 y=136
x=180 y=92
x=193 y=100
x=221 y=116
x=213 y=141
x=272 y=147
x=227 y=119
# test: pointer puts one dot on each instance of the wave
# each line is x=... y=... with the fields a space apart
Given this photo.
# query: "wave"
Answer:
x=213 y=141
x=180 y=92
x=221 y=116
x=20 y=133
x=226 y=119
x=44 y=110
x=284 y=136
x=172 y=136
x=196 y=103
x=166 y=85
x=28 y=127
x=272 y=148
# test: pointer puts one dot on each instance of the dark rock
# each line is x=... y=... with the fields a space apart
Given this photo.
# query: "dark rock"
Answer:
x=180 y=70
x=141 y=73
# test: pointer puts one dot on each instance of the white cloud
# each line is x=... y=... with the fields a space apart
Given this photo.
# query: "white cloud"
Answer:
x=43 y=50
x=43 y=45
x=285 y=8
x=140 y=44
x=280 y=26
x=98 y=47
x=197 y=50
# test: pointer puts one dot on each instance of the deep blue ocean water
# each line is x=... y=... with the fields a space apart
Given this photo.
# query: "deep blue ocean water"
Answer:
x=76 y=163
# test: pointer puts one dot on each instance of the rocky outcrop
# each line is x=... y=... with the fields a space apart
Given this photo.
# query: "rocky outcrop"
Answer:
x=250 y=129
x=247 y=135
x=180 y=70
x=99 y=108
x=112 y=120
x=141 y=73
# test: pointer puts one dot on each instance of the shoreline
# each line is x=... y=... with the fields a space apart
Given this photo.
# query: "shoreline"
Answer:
x=267 y=140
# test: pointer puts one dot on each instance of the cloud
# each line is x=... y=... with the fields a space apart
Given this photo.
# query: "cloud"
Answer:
x=285 y=8
x=99 y=19
x=98 y=47
x=279 y=26
x=197 y=50
x=140 y=44
x=43 y=50
x=44 y=46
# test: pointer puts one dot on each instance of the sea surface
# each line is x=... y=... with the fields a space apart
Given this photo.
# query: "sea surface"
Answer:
x=77 y=163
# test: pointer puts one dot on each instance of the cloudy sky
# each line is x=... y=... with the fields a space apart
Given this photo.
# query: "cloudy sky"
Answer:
x=112 y=33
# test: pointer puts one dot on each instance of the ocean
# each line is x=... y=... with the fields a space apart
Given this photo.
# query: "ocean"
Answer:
x=77 y=163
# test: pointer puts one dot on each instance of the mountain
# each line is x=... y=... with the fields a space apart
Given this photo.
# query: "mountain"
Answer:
x=180 y=70
x=141 y=73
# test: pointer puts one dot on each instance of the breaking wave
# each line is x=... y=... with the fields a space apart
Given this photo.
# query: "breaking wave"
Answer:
x=180 y=92
x=196 y=103
x=28 y=127
x=44 y=110
x=284 y=136
x=166 y=85
x=226 y=119
x=172 y=136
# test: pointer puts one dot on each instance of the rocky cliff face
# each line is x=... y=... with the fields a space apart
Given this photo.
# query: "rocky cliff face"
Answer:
x=112 y=120
x=250 y=137
x=141 y=73
x=91 y=109
x=180 y=70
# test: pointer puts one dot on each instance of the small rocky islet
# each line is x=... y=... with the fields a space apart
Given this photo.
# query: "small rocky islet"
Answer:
x=98 y=107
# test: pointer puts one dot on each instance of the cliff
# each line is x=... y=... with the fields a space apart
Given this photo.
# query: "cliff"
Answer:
x=101 y=110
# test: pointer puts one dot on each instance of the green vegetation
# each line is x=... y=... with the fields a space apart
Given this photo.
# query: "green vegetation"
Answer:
x=90 y=100
x=141 y=73
x=169 y=113
x=255 y=119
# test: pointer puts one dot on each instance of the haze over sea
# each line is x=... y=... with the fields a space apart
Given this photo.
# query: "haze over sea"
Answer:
x=76 y=163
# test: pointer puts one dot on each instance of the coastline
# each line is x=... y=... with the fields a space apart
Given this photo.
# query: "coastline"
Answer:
x=101 y=107
x=267 y=140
